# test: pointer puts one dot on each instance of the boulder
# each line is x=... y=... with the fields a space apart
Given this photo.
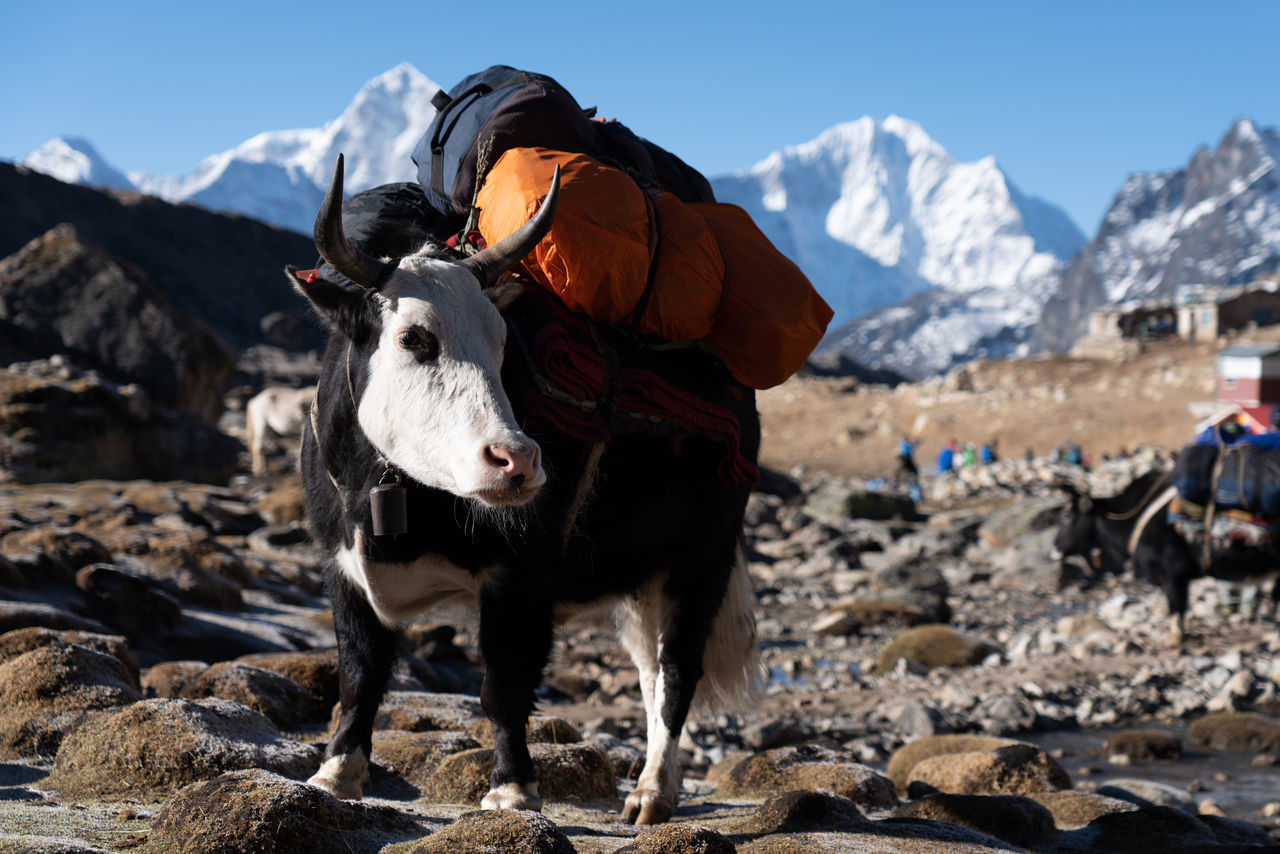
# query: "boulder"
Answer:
x=807 y=766
x=486 y=831
x=1017 y=769
x=1236 y=731
x=286 y=703
x=56 y=429
x=127 y=602
x=1074 y=809
x=169 y=678
x=52 y=690
x=60 y=295
x=580 y=772
x=1143 y=745
x=15 y=643
x=802 y=811
x=155 y=747
x=934 y=645
x=252 y=811
x=1017 y=820
x=906 y=757
x=415 y=756
x=679 y=839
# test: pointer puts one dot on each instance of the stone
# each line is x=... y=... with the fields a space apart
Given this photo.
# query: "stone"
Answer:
x=807 y=766
x=286 y=703
x=934 y=645
x=52 y=690
x=1017 y=769
x=488 y=831
x=580 y=772
x=252 y=811
x=1247 y=732
x=154 y=747
x=1017 y=820
x=15 y=643
x=679 y=839
x=1143 y=745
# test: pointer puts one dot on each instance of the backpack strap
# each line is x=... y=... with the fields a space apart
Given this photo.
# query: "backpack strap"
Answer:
x=446 y=104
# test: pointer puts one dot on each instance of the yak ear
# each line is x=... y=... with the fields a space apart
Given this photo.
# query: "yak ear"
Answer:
x=342 y=308
x=504 y=293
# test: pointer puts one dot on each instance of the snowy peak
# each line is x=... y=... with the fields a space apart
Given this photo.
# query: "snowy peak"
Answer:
x=75 y=161
x=878 y=212
x=280 y=176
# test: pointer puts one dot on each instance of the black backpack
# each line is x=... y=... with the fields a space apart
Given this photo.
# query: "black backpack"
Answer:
x=502 y=107
x=495 y=109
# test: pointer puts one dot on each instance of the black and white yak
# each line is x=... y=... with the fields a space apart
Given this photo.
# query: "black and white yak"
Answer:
x=411 y=397
x=1132 y=529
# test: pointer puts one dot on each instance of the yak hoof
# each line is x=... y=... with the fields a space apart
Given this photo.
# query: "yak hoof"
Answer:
x=513 y=796
x=647 y=808
x=343 y=776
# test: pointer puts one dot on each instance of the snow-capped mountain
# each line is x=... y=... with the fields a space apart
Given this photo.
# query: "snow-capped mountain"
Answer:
x=280 y=176
x=1215 y=221
x=877 y=213
x=73 y=160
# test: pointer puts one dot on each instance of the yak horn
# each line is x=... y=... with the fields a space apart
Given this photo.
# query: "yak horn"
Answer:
x=331 y=241
x=495 y=260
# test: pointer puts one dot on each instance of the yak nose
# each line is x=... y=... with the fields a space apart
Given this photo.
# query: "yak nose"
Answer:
x=517 y=464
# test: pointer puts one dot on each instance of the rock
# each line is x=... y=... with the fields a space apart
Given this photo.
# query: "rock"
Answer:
x=54 y=430
x=316 y=671
x=1003 y=527
x=1247 y=732
x=541 y=729
x=51 y=690
x=25 y=615
x=1148 y=829
x=65 y=551
x=905 y=758
x=679 y=839
x=252 y=811
x=127 y=602
x=169 y=678
x=154 y=747
x=487 y=831
x=563 y=771
x=764 y=735
x=1017 y=769
x=58 y=294
x=415 y=756
x=834 y=500
x=806 y=766
x=423 y=711
x=1017 y=820
x=1143 y=745
x=15 y=643
x=802 y=811
x=284 y=504
x=934 y=645
x=1146 y=793
x=286 y=703
x=1074 y=809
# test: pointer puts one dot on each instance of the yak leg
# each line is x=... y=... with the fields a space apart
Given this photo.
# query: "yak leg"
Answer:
x=366 y=652
x=1176 y=586
x=665 y=629
x=515 y=640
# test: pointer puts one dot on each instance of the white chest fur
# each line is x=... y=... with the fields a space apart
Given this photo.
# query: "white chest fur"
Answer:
x=398 y=591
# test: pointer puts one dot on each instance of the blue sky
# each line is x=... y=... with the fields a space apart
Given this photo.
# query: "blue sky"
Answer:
x=1069 y=98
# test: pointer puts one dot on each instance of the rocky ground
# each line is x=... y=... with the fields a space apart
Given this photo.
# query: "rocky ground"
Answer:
x=167 y=678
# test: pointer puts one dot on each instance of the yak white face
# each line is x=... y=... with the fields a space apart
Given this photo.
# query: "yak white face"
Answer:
x=434 y=403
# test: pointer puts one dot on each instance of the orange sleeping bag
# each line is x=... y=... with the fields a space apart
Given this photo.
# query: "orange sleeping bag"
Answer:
x=717 y=277
x=596 y=257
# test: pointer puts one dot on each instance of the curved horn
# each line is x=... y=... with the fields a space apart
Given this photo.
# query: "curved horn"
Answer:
x=331 y=241
x=492 y=262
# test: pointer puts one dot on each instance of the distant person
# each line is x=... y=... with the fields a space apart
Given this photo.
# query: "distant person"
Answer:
x=1074 y=457
x=906 y=461
x=988 y=453
x=947 y=459
x=970 y=455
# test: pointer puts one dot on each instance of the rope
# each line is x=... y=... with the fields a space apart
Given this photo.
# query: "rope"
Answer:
x=1151 y=510
x=1126 y=516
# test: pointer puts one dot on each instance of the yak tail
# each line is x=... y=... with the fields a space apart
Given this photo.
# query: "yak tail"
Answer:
x=733 y=672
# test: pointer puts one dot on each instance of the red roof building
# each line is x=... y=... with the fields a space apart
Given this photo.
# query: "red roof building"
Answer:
x=1249 y=376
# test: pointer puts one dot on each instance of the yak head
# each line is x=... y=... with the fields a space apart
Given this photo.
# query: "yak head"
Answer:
x=424 y=344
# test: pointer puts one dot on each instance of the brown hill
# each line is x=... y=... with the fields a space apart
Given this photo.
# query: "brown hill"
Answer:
x=1106 y=406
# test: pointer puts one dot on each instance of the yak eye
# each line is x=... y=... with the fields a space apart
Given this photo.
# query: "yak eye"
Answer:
x=419 y=342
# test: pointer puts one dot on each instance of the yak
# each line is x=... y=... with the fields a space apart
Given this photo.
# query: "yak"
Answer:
x=424 y=488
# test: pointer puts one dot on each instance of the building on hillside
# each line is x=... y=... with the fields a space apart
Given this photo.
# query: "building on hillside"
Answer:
x=1198 y=313
x=1249 y=377
x=1205 y=312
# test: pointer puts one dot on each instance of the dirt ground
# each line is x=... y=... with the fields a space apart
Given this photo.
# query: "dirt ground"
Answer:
x=1105 y=406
